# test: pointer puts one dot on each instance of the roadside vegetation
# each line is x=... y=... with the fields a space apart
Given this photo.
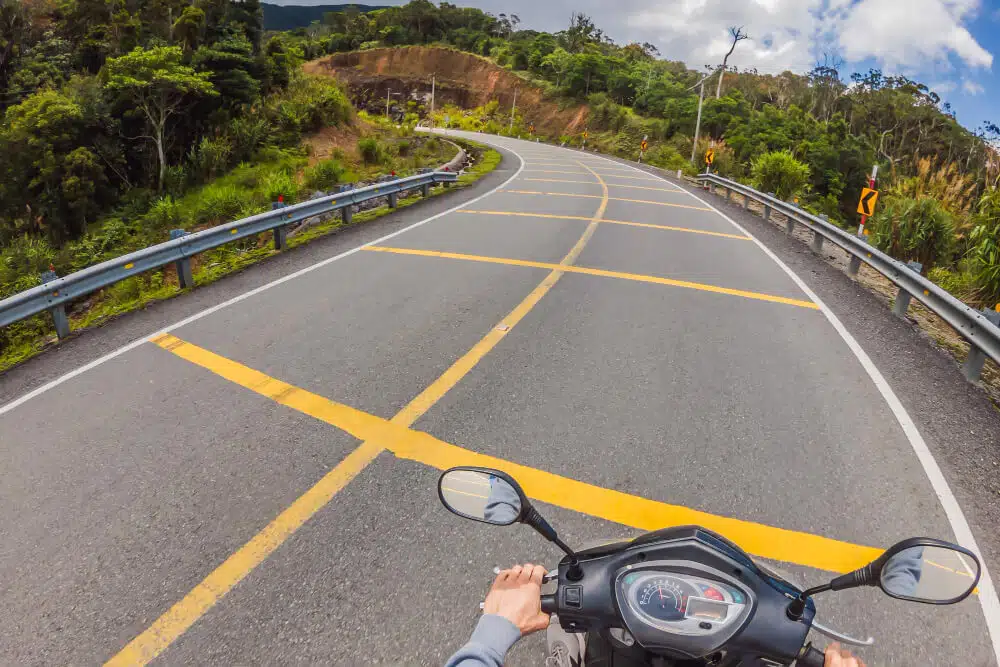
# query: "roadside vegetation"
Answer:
x=116 y=129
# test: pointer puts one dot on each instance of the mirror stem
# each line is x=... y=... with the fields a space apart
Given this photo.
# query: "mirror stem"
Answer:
x=797 y=607
x=536 y=521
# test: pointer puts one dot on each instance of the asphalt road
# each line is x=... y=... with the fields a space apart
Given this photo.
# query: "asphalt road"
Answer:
x=586 y=321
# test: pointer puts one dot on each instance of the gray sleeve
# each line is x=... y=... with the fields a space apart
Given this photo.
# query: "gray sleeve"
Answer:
x=488 y=646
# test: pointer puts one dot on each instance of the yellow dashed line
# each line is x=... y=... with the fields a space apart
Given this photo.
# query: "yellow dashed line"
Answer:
x=609 y=222
x=633 y=201
x=613 y=185
x=599 y=272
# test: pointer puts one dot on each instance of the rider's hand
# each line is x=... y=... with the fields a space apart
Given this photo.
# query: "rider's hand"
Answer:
x=516 y=595
x=839 y=657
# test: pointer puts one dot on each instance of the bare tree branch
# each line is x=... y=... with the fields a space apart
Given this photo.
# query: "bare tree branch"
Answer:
x=738 y=36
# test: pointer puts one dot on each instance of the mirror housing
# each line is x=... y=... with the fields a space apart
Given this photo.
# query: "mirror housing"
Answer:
x=909 y=570
x=900 y=571
x=525 y=513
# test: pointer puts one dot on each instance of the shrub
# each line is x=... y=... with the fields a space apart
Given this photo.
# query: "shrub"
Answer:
x=779 y=172
x=371 y=151
x=277 y=183
x=210 y=158
x=403 y=148
x=914 y=230
x=984 y=255
x=247 y=134
x=217 y=203
x=324 y=175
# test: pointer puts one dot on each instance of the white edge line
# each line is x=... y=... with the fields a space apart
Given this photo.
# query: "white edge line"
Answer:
x=38 y=391
x=963 y=533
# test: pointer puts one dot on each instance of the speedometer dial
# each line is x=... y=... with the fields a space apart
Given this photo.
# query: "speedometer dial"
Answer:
x=664 y=598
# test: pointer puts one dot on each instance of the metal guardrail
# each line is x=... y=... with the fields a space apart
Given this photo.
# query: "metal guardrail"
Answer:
x=56 y=292
x=979 y=328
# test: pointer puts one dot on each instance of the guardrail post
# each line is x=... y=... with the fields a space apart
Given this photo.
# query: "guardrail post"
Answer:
x=393 y=200
x=817 y=244
x=903 y=297
x=973 y=366
x=346 y=214
x=281 y=237
x=854 y=266
x=425 y=189
x=58 y=312
x=185 y=277
x=746 y=202
x=729 y=195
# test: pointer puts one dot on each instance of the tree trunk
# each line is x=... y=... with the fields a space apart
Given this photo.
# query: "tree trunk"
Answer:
x=161 y=155
x=722 y=73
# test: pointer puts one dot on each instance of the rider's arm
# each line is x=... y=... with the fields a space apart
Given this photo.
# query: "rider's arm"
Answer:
x=512 y=609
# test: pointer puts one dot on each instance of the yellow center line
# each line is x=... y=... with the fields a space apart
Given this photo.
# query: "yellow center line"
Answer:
x=635 y=511
x=637 y=277
x=368 y=428
x=634 y=201
x=549 y=171
x=614 y=185
x=605 y=221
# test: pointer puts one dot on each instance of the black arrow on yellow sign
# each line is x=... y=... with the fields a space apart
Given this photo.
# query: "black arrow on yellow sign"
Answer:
x=867 y=204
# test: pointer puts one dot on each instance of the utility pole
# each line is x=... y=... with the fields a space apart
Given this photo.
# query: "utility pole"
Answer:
x=433 y=85
x=513 y=107
x=697 y=125
x=388 y=98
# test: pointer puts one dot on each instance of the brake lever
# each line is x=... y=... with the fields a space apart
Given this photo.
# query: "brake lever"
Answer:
x=840 y=637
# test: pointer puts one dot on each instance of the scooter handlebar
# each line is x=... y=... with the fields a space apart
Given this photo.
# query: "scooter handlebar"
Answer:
x=549 y=606
x=810 y=657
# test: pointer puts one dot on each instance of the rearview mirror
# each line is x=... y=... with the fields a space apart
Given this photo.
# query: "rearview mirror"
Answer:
x=489 y=496
x=920 y=569
x=930 y=573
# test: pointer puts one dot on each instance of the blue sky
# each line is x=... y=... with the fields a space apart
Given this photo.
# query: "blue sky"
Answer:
x=950 y=45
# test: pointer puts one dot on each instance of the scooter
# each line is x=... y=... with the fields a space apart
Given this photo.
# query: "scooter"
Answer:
x=686 y=596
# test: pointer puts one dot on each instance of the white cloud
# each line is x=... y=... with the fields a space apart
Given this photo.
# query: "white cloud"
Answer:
x=940 y=87
x=911 y=35
x=972 y=88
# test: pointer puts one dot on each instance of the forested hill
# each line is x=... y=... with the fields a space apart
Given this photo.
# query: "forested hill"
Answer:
x=290 y=17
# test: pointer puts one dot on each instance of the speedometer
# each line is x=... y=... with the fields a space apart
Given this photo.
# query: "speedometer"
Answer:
x=664 y=598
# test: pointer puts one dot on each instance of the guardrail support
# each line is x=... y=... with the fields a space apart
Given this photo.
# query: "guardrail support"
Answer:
x=767 y=212
x=902 y=302
x=185 y=277
x=281 y=237
x=973 y=366
x=817 y=244
x=729 y=195
x=746 y=202
x=393 y=200
x=346 y=213
x=854 y=266
x=425 y=190
x=58 y=313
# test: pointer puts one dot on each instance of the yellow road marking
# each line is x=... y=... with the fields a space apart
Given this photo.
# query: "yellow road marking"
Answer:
x=605 y=221
x=599 y=272
x=629 y=510
x=634 y=201
x=368 y=428
x=615 y=185
x=549 y=171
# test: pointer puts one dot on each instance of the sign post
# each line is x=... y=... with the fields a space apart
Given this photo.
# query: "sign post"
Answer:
x=585 y=135
x=866 y=206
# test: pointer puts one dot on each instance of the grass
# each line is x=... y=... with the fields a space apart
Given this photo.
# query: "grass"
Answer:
x=250 y=187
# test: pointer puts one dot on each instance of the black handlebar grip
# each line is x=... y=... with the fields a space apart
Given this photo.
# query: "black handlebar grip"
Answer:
x=549 y=606
x=810 y=657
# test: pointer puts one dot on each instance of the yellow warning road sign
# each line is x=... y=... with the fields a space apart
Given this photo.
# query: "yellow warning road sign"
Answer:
x=709 y=156
x=644 y=145
x=867 y=204
x=586 y=134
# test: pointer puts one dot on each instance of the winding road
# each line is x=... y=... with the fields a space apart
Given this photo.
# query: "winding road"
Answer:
x=257 y=483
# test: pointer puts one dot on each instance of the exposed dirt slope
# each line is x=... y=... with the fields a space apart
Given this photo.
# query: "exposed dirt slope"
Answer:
x=462 y=78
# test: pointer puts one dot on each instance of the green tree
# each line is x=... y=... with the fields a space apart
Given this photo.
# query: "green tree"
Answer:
x=156 y=84
x=779 y=172
x=918 y=229
x=189 y=28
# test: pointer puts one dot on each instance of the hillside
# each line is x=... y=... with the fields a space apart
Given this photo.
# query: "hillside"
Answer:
x=463 y=79
x=290 y=17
